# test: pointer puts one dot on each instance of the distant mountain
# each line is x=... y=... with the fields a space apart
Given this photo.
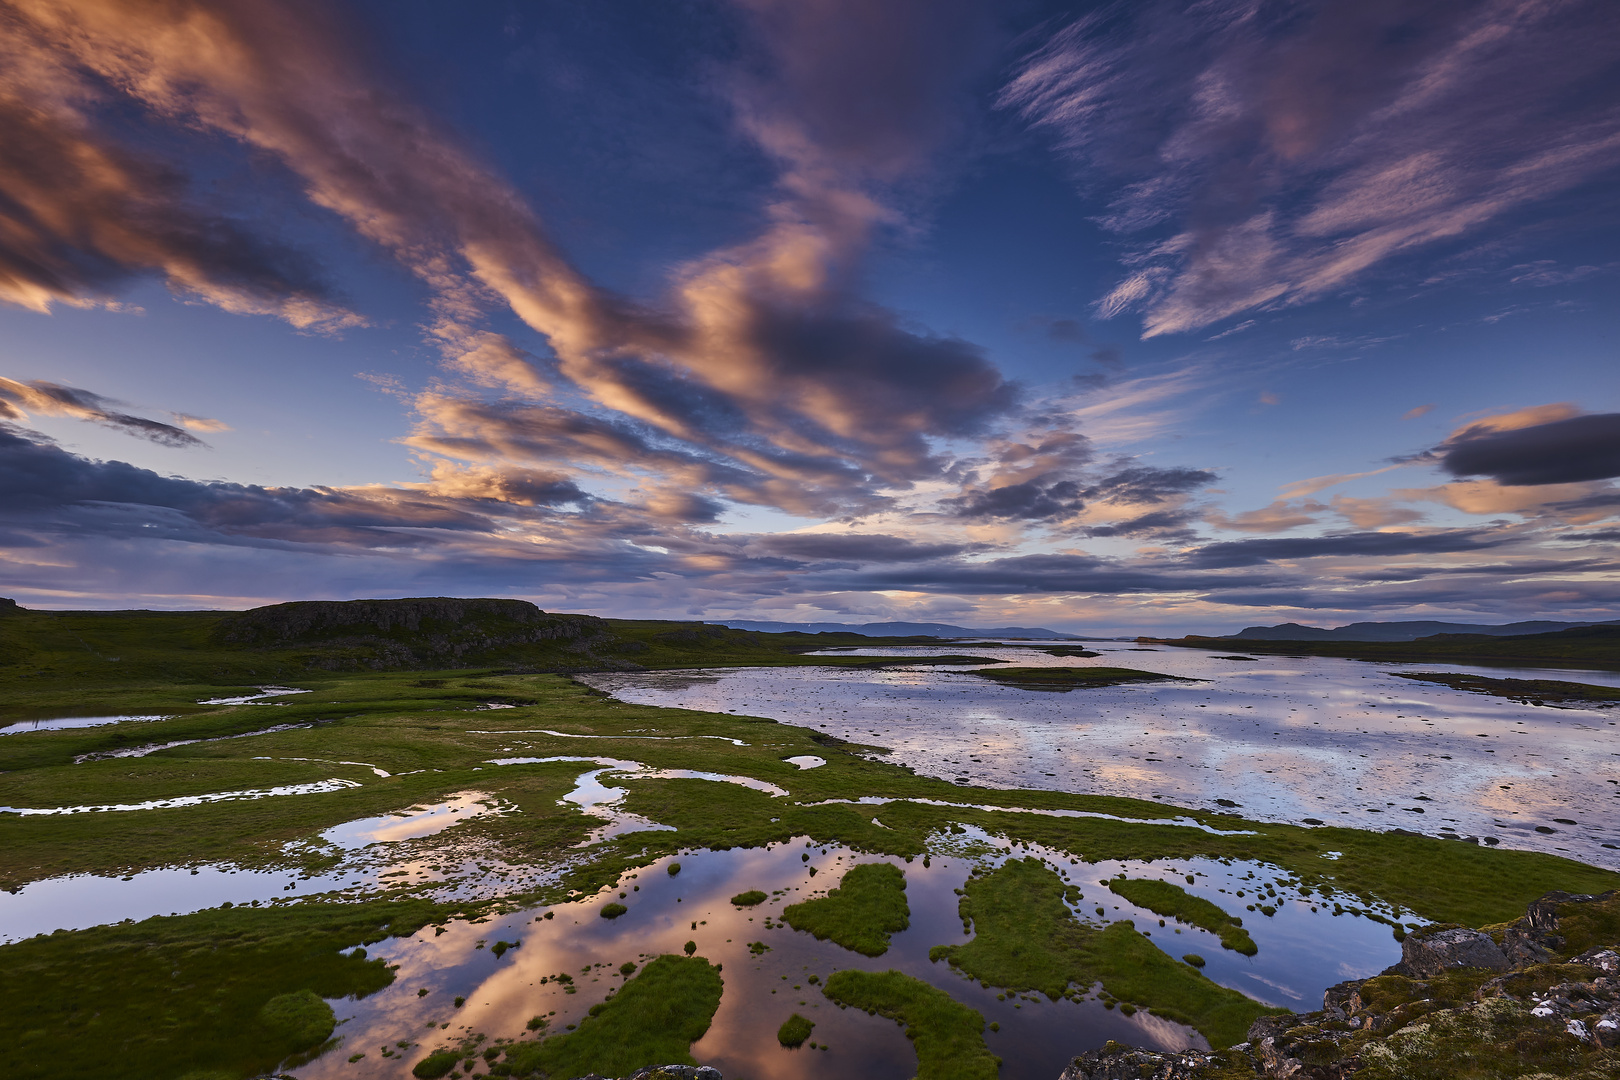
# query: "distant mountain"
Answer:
x=893 y=629
x=1401 y=631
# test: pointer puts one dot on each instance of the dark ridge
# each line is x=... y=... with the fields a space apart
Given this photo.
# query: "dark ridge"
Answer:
x=438 y=631
x=1403 y=631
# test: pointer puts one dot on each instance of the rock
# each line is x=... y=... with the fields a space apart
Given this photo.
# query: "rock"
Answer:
x=1438 y=951
x=1116 y=1061
x=666 y=1072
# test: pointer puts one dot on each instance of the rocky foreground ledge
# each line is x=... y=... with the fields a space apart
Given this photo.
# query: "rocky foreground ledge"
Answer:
x=1538 y=999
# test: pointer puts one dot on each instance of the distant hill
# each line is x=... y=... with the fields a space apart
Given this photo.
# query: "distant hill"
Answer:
x=893 y=629
x=1402 y=631
x=1592 y=646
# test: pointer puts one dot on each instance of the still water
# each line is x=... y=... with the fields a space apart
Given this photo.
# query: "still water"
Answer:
x=1301 y=952
x=1283 y=738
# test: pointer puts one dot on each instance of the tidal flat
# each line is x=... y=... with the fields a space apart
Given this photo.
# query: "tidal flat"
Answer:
x=446 y=844
x=1288 y=739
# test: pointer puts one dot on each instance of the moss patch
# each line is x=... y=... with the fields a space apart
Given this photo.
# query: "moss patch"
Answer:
x=947 y=1035
x=750 y=898
x=868 y=905
x=653 y=1020
x=1172 y=901
x=1025 y=938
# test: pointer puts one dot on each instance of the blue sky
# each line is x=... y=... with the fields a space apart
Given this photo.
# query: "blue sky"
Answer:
x=1147 y=317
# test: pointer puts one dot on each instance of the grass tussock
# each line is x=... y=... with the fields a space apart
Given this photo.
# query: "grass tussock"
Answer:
x=868 y=905
x=1172 y=901
x=653 y=1020
x=1025 y=938
x=947 y=1035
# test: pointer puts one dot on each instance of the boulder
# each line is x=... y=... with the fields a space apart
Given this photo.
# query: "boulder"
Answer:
x=1116 y=1061
x=1432 y=953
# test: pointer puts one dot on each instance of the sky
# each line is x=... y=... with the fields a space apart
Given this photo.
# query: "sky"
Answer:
x=1149 y=317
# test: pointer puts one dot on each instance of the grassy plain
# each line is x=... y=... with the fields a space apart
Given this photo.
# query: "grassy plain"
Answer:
x=155 y=996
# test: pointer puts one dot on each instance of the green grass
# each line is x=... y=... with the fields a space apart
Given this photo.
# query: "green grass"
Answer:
x=794 y=1030
x=1172 y=901
x=947 y=1035
x=868 y=905
x=750 y=898
x=653 y=1020
x=1072 y=678
x=421 y=727
x=1025 y=938
x=1586 y=646
x=1525 y=690
x=234 y=991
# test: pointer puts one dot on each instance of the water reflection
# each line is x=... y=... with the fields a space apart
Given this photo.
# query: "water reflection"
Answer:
x=1284 y=738
x=1296 y=961
x=60 y=723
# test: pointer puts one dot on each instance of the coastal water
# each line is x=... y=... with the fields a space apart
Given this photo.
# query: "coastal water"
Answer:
x=1277 y=738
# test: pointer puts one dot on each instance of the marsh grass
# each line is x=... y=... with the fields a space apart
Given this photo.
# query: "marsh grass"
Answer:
x=868 y=905
x=1529 y=691
x=1025 y=938
x=947 y=1035
x=1172 y=901
x=235 y=991
x=74 y=1000
x=653 y=1020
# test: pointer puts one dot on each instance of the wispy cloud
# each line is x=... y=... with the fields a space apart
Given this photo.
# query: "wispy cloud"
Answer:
x=17 y=399
x=763 y=354
x=1272 y=155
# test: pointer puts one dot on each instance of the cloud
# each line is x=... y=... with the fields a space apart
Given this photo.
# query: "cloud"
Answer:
x=81 y=214
x=1417 y=411
x=1374 y=513
x=1232 y=553
x=763 y=353
x=1301 y=488
x=1514 y=452
x=51 y=399
x=1267 y=156
x=858 y=547
x=1280 y=516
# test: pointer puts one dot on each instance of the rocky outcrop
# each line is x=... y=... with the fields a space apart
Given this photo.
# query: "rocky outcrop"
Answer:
x=1116 y=1061
x=425 y=632
x=1430 y=953
x=666 y=1072
x=1537 y=997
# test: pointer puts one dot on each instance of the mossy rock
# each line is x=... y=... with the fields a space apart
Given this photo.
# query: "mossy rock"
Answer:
x=613 y=911
x=749 y=898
